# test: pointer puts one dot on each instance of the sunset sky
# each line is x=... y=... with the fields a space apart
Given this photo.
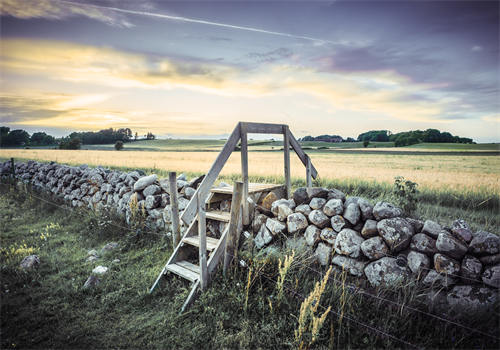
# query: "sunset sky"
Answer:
x=187 y=69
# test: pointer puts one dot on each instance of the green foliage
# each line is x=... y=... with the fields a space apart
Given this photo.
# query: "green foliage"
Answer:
x=119 y=145
x=406 y=193
x=375 y=135
x=70 y=143
x=408 y=138
x=13 y=137
x=366 y=143
x=42 y=139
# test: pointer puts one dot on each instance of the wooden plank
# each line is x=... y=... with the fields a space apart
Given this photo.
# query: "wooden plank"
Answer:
x=202 y=233
x=174 y=208
x=301 y=154
x=183 y=272
x=244 y=172
x=263 y=128
x=217 y=253
x=218 y=215
x=191 y=297
x=232 y=236
x=252 y=188
x=190 y=212
x=195 y=241
x=286 y=155
x=308 y=172
x=188 y=265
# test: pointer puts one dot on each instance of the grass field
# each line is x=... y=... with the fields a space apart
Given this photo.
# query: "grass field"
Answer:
x=48 y=309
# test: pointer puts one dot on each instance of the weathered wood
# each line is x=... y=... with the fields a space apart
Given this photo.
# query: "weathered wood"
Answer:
x=286 y=155
x=184 y=272
x=244 y=171
x=217 y=253
x=174 y=208
x=232 y=236
x=263 y=128
x=204 y=188
x=302 y=155
x=190 y=266
x=192 y=295
x=202 y=233
x=12 y=168
x=218 y=215
x=195 y=242
x=308 y=172
x=252 y=188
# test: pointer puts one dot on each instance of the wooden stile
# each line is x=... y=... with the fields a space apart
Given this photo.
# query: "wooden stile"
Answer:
x=286 y=153
x=174 y=207
x=232 y=238
x=202 y=233
x=244 y=171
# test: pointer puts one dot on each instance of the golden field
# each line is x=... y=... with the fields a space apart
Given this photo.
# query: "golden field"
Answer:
x=458 y=173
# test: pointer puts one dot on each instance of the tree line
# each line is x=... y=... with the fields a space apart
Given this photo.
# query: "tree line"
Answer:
x=19 y=137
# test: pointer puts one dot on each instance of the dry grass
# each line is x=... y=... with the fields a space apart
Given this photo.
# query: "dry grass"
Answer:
x=458 y=173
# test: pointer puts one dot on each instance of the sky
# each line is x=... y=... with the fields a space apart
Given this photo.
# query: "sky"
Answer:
x=194 y=69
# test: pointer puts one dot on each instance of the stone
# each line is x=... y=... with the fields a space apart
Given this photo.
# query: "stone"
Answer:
x=288 y=202
x=258 y=221
x=328 y=235
x=300 y=196
x=182 y=203
x=283 y=212
x=396 y=232
x=369 y=229
x=374 y=248
x=385 y=210
x=436 y=280
x=263 y=237
x=366 y=208
x=491 y=276
x=490 y=259
x=463 y=234
x=144 y=182
x=323 y=253
x=196 y=181
x=92 y=252
x=417 y=224
x=317 y=203
x=348 y=242
x=312 y=235
x=484 y=243
x=316 y=192
x=109 y=246
x=333 y=207
x=450 y=245
x=91 y=282
x=225 y=205
x=385 y=272
x=338 y=223
x=460 y=223
x=352 y=213
x=418 y=263
x=152 y=202
x=100 y=270
x=182 y=177
x=181 y=184
x=335 y=194
x=432 y=228
x=297 y=244
x=189 y=192
x=471 y=269
x=471 y=300
x=30 y=262
x=304 y=209
x=446 y=265
x=424 y=244
x=316 y=217
x=353 y=266
x=275 y=227
x=151 y=190
x=268 y=200
x=296 y=223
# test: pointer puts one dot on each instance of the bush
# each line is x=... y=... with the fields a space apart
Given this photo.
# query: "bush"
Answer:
x=72 y=143
x=119 y=145
x=366 y=143
x=406 y=193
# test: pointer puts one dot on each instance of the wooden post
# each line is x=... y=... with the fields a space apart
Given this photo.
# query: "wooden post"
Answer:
x=174 y=208
x=12 y=168
x=244 y=172
x=202 y=233
x=286 y=148
x=308 y=172
x=233 y=234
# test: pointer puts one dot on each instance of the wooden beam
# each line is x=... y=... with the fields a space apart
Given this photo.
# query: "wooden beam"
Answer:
x=308 y=172
x=286 y=153
x=263 y=128
x=202 y=233
x=302 y=155
x=232 y=237
x=244 y=172
x=190 y=212
x=174 y=208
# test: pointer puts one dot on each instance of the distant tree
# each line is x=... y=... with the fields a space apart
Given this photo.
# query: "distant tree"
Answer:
x=16 y=138
x=375 y=135
x=70 y=143
x=136 y=136
x=366 y=143
x=4 y=132
x=350 y=139
x=119 y=145
x=42 y=139
x=150 y=136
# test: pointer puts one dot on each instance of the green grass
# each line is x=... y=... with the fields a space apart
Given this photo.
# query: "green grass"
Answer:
x=47 y=308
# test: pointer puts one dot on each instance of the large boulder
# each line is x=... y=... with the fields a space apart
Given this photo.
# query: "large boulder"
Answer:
x=446 y=265
x=263 y=237
x=491 y=276
x=386 y=272
x=283 y=212
x=424 y=244
x=268 y=200
x=348 y=242
x=296 y=223
x=288 y=202
x=328 y=235
x=353 y=266
x=471 y=300
x=317 y=203
x=374 y=248
x=434 y=279
x=463 y=234
x=369 y=229
x=385 y=210
x=30 y=262
x=335 y=194
x=432 y=228
x=338 y=223
x=304 y=209
x=484 y=243
x=312 y=235
x=352 y=213
x=418 y=263
x=300 y=196
x=471 y=269
x=323 y=253
x=490 y=259
x=366 y=208
x=396 y=232
x=333 y=207
x=451 y=246
x=315 y=192
x=316 y=217
x=258 y=221
x=152 y=202
x=276 y=227
x=151 y=190
x=144 y=182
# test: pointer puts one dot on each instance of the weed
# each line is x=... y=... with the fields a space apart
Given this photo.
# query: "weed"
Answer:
x=406 y=193
x=283 y=268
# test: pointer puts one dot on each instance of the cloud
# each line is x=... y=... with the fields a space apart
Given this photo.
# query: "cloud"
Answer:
x=271 y=56
x=476 y=48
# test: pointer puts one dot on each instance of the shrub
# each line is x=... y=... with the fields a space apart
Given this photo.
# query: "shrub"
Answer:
x=119 y=145
x=406 y=193
x=366 y=143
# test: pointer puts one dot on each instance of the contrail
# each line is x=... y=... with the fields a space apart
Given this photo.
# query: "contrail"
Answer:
x=200 y=21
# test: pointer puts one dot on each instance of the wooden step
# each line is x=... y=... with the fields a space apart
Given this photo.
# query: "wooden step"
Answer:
x=252 y=188
x=185 y=269
x=218 y=215
x=195 y=241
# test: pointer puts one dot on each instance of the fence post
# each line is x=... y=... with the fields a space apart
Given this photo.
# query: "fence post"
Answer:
x=308 y=172
x=286 y=148
x=244 y=172
x=202 y=233
x=174 y=207
x=231 y=249
x=12 y=168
